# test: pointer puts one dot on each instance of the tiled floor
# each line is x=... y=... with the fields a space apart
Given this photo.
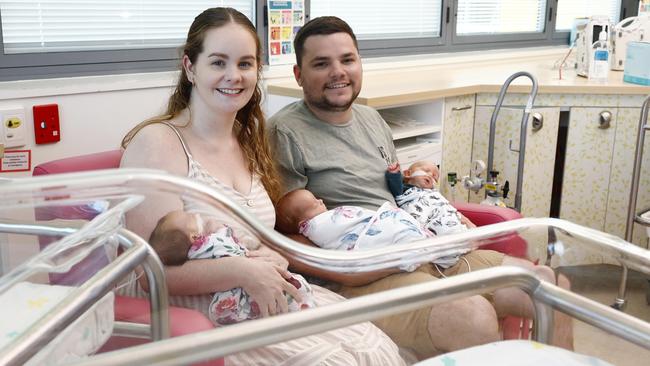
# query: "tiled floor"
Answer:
x=600 y=283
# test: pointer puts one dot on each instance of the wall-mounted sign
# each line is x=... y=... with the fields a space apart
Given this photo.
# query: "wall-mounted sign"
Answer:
x=16 y=161
x=285 y=19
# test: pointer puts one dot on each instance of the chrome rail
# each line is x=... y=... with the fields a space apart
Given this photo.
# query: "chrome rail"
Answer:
x=337 y=261
x=248 y=335
x=619 y=302
x=137 y=252
x=125 y=182
x=522 y=133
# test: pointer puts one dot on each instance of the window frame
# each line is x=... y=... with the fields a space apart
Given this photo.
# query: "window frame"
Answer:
x=629 y=8
x=31 y=65
x=82 y=63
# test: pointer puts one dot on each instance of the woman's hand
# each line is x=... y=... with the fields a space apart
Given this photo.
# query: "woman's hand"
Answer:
x=269 y=255
x=266 y=283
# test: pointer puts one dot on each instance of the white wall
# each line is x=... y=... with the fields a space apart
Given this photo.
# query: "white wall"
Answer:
x=92 y=119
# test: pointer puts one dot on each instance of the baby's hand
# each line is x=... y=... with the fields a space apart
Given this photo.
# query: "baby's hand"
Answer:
x=212 y=226
x=394 y=168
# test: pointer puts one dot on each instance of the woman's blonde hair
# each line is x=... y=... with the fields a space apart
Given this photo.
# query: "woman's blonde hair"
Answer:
x=250 y=124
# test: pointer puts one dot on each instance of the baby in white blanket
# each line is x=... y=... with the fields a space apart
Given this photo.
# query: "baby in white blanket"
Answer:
x=347 y=227
x=350 y=227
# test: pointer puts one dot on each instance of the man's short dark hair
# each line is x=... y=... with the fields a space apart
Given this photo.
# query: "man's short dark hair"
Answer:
x=320 y=26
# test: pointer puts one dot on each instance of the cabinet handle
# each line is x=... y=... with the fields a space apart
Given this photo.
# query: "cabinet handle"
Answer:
x=538 y=121
x=604 y=120
x=461 y=108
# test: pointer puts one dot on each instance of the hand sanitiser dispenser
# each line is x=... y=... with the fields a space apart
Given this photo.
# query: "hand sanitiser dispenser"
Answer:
x=587 y=34
x=599 y=62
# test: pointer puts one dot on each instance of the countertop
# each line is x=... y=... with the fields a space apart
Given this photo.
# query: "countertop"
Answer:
x=422 y=83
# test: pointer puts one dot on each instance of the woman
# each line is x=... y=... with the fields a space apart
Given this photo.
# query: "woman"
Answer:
x=213 y=132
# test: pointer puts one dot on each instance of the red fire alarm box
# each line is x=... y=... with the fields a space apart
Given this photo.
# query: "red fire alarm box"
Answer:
x=46 y=123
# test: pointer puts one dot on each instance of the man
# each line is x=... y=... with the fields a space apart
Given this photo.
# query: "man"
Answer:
x=340 y=152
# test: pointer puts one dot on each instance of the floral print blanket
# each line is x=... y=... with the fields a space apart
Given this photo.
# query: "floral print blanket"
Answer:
x=352 y=228
x=235 y=305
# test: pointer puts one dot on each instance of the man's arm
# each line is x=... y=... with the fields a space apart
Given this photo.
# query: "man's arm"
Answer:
x=289 y=159
x=346 y=279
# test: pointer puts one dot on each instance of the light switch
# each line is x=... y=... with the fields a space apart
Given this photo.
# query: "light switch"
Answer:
x=14 y=128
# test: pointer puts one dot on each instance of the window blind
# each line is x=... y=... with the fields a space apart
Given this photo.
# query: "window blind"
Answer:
x=567 y=11
x=81 y=25
x=479 y=17
x=380 y=19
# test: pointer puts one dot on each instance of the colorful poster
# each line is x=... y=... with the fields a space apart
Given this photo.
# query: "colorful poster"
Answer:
x=285 y=19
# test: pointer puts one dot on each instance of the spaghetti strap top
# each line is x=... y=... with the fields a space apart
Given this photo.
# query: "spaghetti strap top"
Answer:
x=257 y=201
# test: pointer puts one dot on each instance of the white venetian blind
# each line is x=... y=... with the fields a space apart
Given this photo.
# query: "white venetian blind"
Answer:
x=483 y=17
x=568 y=10
x=79 y=25
x=380 y=19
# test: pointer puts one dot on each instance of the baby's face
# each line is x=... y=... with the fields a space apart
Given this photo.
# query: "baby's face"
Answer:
x=309 y=206
x=190 y=224
x=424 y=175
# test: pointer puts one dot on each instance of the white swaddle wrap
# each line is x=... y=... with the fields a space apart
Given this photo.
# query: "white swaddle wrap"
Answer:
x=353 y=228
x=431 y=210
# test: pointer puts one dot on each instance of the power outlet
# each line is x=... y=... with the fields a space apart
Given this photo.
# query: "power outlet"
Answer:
x=14 y=127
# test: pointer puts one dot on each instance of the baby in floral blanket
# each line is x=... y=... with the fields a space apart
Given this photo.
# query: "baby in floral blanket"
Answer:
x=346 y=227
x=180 y=236
x=351 y=227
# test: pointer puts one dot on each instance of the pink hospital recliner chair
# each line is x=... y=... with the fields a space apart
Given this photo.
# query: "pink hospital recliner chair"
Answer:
x=135 y=310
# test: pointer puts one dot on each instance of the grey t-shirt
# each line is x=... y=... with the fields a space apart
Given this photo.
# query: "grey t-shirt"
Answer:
x=341 y=164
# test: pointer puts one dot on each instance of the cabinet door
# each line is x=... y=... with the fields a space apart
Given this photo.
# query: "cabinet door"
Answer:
x=457 y=132
x=620 y=180
x=587 y=167
x=539 y=160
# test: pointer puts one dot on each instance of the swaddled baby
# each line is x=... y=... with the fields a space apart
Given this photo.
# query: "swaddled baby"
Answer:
x=418 y=196
x=180 y=236
x=350 y=227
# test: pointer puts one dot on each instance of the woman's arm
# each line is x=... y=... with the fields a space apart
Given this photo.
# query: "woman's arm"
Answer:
x=346 y=279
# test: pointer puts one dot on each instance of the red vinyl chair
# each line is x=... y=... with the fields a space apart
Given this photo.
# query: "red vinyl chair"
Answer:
x=135 y=310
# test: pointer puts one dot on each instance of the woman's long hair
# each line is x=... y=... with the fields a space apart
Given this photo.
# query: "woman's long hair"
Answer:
x=250 y=124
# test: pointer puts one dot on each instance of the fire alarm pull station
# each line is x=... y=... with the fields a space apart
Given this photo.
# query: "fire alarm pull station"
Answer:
x=46 y=124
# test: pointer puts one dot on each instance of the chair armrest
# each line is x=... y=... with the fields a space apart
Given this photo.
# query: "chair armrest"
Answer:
x=484 y=214
x=101 y=160
x=182 y=321
x=511 y=243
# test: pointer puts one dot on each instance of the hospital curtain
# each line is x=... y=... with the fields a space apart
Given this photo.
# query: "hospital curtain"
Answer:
x=379 y=19
x=482 y=17
x=568 y=10
x=82 y=25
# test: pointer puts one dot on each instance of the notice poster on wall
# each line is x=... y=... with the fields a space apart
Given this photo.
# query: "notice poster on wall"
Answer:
x=285 y=19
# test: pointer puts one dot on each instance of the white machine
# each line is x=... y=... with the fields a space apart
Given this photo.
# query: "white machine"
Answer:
x=630 y=29
x=587 y=35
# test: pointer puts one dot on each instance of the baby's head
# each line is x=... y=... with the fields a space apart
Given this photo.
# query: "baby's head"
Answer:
x=174 y=234
x=296 y=207
x=422 y=174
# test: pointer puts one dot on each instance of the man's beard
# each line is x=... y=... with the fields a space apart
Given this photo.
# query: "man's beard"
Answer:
x=325 y=105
